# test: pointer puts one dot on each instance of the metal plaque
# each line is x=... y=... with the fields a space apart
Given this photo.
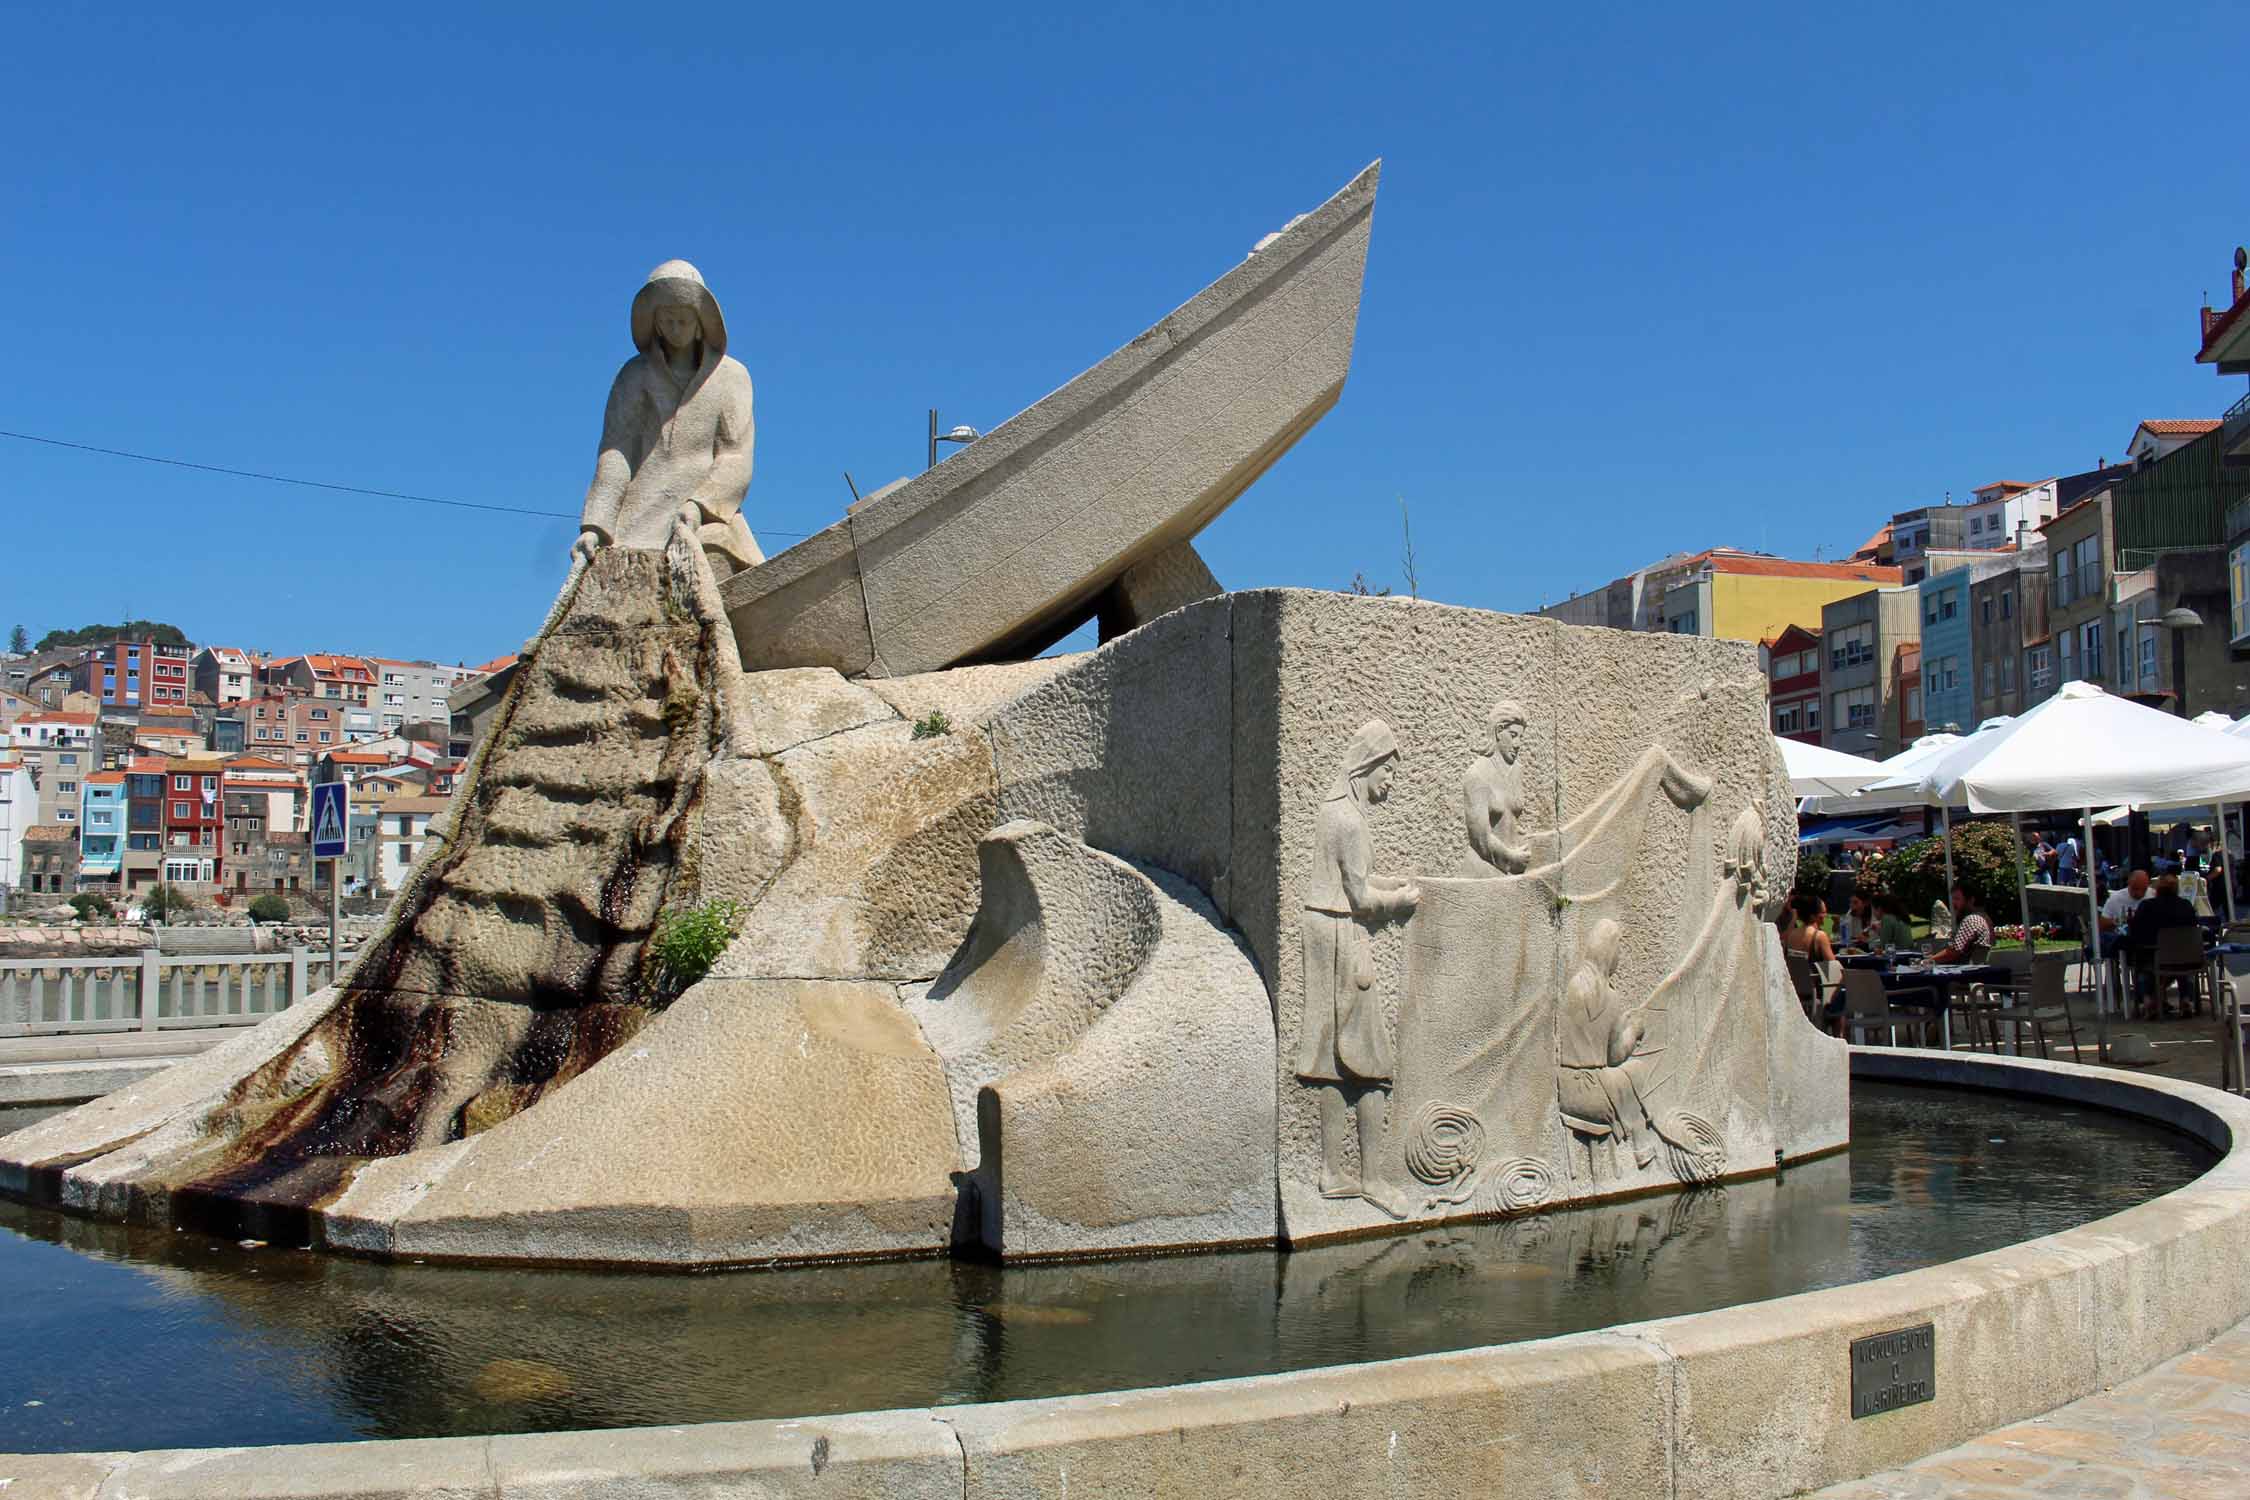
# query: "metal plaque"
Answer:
x=1895 y=1369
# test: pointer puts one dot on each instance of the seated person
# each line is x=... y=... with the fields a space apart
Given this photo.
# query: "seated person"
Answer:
x=2117 y=911
x=1808 y=939
x=2194 y=890
x=1858 y=922
x=1892 y=933
x=2164 y=910
x=1971 y=942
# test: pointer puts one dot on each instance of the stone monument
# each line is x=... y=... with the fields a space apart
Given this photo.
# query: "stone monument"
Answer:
x=1205 y=937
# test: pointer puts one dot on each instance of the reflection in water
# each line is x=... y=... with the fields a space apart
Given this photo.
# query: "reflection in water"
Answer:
x=136 y=1338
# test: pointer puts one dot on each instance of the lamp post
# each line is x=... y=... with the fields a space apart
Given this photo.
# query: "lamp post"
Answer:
x=961 y=434
x=2179 y=621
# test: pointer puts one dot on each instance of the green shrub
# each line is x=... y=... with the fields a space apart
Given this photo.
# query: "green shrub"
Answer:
x=162 y=903
x=1812 y=876
x=935 y=724
x=91 y=904
x=269 y=908
x=1986 y=858
x=688 y=942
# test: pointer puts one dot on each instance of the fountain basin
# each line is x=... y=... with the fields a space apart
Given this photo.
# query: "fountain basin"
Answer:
x=1734 y=1400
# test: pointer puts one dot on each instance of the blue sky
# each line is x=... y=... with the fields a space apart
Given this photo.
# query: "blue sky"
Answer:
x=1642 y=278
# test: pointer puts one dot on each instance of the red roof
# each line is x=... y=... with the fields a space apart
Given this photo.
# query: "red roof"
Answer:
x=498 y=663
x=257 y=763
x=106 y=778
x=2216 y=327
x=1782 y=567
x=2179 y=427
x=324 y=665
x=148 y=765
x=56 y=716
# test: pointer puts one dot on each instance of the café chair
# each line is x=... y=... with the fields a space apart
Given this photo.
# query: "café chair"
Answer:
x=2038 y=1002
x=2180 y=959
x=1867 y=1006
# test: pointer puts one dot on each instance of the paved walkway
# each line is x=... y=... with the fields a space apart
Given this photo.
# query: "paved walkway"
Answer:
x=2180 y=1432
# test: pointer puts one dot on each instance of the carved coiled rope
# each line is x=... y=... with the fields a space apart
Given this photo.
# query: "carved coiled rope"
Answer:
x=1444 y=1144
x=1693 y=1146
x=1519 y=1185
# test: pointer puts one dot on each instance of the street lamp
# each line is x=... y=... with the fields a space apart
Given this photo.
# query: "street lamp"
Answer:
x=961 y=434
x=2179 y=621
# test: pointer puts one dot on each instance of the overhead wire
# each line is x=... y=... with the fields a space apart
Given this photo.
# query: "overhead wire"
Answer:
x=311 y=484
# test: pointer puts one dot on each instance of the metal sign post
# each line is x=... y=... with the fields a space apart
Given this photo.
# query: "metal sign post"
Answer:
x=331 y=841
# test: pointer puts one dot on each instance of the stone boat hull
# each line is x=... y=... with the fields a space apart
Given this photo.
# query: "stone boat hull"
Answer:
x=1009 y=545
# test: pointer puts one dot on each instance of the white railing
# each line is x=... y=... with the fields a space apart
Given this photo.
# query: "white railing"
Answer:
x=154 y=991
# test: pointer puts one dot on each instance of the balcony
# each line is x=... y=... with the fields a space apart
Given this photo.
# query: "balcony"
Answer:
x=2234 y=440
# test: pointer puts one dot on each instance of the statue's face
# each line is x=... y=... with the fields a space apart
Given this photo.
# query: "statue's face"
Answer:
x=1507 y=741
x=1379 y=780
x=677 y=326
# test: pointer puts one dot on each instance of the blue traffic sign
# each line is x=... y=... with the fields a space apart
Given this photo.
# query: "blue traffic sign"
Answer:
x=331 y=820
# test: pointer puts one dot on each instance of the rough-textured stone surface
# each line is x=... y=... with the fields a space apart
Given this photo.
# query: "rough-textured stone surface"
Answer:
x=882 y=879
x=795 y=705
x=818 y=1123
x=967 y=695
x=1131 y=749
x=1004 y=546
x=1648 y=796
x=1154 y=587
x=1120 y=1042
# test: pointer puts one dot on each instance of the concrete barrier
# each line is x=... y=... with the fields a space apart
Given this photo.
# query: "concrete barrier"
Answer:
x=1741 y=1402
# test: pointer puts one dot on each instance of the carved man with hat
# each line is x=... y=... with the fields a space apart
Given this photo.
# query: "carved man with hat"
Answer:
x=677 y=434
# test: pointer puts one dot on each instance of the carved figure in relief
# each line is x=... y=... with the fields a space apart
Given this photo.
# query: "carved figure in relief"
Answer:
x=1746 y=859
x=1492 y=793
x=1597 y=1035
x=677 y=433
x=1344 y=1044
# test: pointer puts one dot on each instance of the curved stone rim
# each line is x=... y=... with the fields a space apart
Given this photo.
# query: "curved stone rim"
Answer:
x=1739 y=1401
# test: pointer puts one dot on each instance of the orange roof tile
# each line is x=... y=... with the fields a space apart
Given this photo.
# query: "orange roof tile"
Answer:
x=1782 y=567
x=2179 y=427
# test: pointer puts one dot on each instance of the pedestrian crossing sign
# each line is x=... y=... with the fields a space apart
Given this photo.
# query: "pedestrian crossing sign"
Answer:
x=331 y=820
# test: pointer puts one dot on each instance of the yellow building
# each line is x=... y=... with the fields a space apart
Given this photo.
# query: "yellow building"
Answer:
x=1742 y=596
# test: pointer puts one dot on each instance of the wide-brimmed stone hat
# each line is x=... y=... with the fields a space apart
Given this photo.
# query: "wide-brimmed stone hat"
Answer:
x=676 y=283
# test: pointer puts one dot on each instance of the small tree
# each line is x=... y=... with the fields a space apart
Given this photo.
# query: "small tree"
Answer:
x=269 y=908
x=19 y=640
x=91 y=904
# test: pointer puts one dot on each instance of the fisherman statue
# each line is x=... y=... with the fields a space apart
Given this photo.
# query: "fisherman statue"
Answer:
x=677 y=434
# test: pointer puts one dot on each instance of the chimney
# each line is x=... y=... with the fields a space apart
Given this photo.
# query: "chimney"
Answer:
x=2241 y=263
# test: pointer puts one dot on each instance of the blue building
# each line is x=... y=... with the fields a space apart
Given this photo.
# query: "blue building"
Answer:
x=1949 y=699
x=101 y=828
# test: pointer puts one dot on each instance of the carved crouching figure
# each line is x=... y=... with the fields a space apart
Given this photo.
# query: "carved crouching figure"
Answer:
x=1600 y=1101
x=1344 y=1043
x=1492 y=793
x=677 y=435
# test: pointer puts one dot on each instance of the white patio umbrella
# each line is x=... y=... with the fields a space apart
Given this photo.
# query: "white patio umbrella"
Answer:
x=1903 y=786
x=2085 y=748
x=1817 y=771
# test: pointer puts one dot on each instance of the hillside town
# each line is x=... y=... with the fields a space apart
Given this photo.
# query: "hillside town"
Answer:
x=2133 y=575
x=136 y=762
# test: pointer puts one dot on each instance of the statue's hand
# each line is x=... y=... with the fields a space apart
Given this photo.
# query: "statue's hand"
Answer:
x=589 y=542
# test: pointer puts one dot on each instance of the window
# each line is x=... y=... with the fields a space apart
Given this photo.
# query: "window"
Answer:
x=2090 y=644
x=65 y=815
x=2066 y=655
x=183 y=811
x=66 y=760
x=210 y=783
x=2066 y=578
x=2148 y=656
x=2238 y=589
x=320 y=714
x=2008 y=605
x=1914 y=704
x=1853 y=709
x=1976 y=525
x=1984 y=610
x=2007 y=674
x=1787 y=720
x=2089 y=550
x=1851 y=646
x=326 y=735
x=1991 y=678
x=183 y=783
x=303 y=737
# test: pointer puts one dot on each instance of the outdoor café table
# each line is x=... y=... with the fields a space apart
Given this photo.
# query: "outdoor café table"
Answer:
x=1939 y=980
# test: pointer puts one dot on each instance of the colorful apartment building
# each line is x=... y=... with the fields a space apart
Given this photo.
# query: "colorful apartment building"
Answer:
x=145 y=785
x=1738 y=596
x=194 y=819
x=101 y=828
x=224 y=675
x=1793 y=683
x=134 y=674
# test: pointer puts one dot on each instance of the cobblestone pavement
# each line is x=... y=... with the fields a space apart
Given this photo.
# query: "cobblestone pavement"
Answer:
x=2180 y=1432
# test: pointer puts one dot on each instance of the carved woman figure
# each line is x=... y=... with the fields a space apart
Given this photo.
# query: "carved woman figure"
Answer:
x=1492 y=792
x=1344 y=1044
x=1597 y=1035
x=677 y=433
